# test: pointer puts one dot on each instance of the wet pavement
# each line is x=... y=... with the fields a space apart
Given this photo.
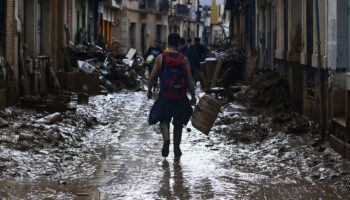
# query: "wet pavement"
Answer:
x=119 y=157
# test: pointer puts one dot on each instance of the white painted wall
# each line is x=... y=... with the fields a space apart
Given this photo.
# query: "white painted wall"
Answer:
x=332 y=34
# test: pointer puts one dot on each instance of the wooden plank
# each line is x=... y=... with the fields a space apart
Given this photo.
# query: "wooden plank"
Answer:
x=56 y=81
x=250 y=68
x=217 y=73
x=36 y=83
x=43 y=80
x=67 y=59
x=26 y=83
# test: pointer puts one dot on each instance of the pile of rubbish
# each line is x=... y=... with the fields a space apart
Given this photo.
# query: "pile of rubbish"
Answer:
x=232 y=67
x=26 y=129
x=224 y=68
x=115 y=71
x=267 y=90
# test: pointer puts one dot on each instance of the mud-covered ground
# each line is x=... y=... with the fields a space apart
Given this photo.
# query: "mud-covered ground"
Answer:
x=106 y=150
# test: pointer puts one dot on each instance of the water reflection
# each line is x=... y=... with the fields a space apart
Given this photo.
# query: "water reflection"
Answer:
x=173 y=187
x=165 y=190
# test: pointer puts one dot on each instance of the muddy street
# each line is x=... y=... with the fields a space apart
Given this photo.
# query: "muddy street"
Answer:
x=119 y=157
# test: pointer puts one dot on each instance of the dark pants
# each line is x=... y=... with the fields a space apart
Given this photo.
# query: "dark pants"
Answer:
x=165 y=126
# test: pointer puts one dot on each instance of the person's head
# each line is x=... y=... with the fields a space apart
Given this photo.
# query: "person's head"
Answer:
x=163 y=45
x=173 y=40
x=189 y=41
x=197 y=40
x=157 y=44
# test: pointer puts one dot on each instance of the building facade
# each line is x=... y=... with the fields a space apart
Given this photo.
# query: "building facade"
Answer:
x=33 y=34
x=308 y=42
x=219 y=23
x=141 y=23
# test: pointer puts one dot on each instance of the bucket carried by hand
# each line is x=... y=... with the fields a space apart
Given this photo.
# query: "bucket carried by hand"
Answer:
x=205 y=113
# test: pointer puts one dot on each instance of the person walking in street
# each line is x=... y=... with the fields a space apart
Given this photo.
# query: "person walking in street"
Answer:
x=182 y=43
x=151 y=54
x=190 y=52
x=172 y=103
x=201 y=52
x=200 y=49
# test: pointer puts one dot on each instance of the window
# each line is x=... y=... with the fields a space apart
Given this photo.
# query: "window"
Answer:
x=132 y=39
x=176 y=29
x=159 y=33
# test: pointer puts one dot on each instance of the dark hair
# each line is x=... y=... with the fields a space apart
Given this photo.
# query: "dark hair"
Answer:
x=173 y=39
x=189 y=41
x=197 y=39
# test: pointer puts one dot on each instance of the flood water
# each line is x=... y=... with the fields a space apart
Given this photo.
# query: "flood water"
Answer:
x=120 y=158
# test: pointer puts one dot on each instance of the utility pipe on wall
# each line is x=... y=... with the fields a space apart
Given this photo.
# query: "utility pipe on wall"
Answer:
x=321 y=75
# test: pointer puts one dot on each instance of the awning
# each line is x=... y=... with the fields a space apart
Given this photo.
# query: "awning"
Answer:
x=113 y=3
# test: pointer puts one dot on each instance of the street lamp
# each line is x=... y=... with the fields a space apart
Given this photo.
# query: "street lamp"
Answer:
x=189 y=4
x=200 y=7
x=209 y=10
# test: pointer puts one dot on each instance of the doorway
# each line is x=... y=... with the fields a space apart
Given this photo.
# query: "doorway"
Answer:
x=132 y=38
x=143 y=37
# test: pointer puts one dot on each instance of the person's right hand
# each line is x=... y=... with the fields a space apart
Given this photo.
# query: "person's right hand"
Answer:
x=193 y=101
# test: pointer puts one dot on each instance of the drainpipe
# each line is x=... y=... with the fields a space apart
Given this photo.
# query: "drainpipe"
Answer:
x=321 y=76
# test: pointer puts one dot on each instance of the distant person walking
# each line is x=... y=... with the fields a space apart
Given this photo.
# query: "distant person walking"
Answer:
x=172 y=103
x=200 y=49
x=150 y=57
x=190 y=52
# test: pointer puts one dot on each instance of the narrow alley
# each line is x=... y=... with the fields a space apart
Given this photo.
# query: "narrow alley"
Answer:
x=120 y=159
x=174 y=99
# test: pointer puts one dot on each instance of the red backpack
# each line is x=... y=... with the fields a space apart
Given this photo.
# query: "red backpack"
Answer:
x=174 y=81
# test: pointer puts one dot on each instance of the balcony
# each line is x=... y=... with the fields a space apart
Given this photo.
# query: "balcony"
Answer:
x=158 y=5
x=163 y=6
x=147 y=4
x=181 y=9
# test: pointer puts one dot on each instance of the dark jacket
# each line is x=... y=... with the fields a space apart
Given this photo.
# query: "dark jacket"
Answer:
x=201 y=51
x=190 y=52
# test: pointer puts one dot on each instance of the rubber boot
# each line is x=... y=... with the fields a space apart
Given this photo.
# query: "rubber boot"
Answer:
x=177 y=140
x=165 y=149
x=164 y=126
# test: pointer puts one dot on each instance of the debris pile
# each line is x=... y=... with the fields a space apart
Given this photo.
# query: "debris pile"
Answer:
x=29 y=130
x=232 y=67
x=267 y=90
x=224 y=68
x=300 y=125
x=50 y=103
x=239 y=128
x=114 y=71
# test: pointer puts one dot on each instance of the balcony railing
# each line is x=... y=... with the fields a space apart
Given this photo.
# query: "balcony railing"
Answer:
x=163 y=6
x=159 y=5
x=181 y=9
x=147 y=4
